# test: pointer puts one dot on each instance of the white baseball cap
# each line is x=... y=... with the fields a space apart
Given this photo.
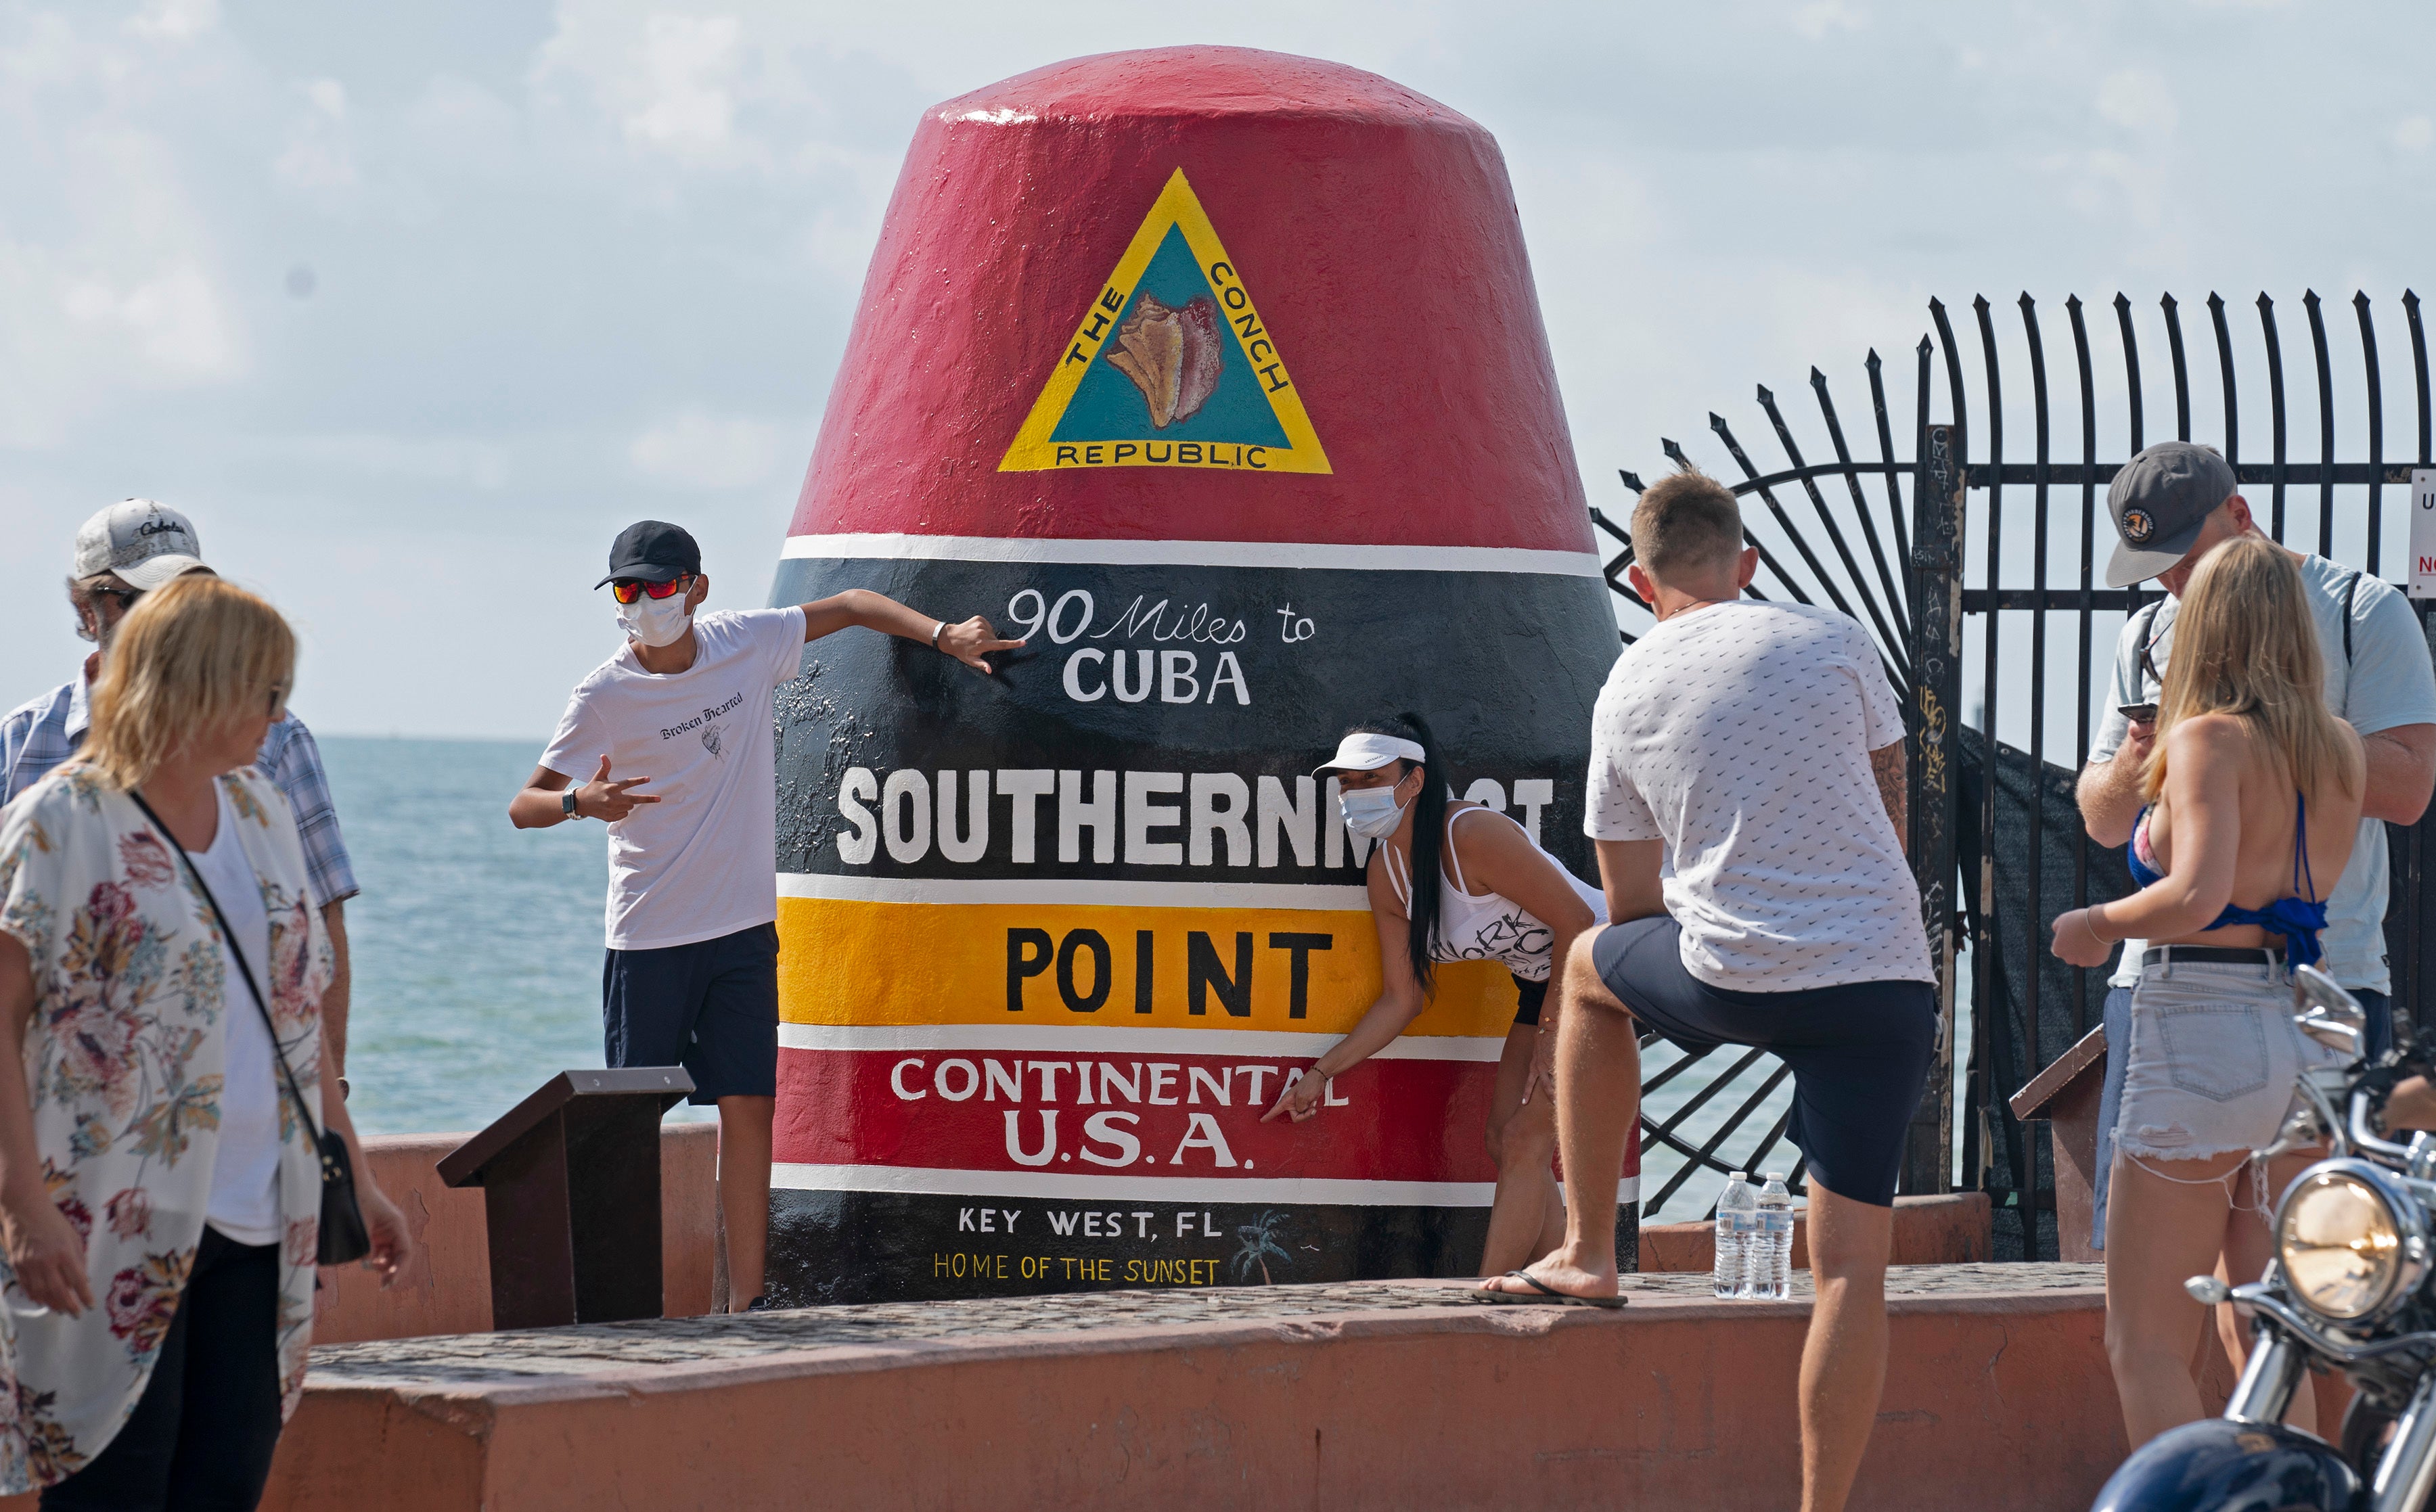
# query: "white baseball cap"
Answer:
x=145 y=543
x=1365 y=752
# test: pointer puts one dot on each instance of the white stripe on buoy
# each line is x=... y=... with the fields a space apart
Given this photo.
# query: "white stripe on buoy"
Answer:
x=1312 y=897
x=1490 y=558
x=1076 y=1039
x=1296 y=1190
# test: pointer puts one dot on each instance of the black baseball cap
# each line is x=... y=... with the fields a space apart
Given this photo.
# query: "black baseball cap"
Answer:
x=652 y=551
x=2159 y=501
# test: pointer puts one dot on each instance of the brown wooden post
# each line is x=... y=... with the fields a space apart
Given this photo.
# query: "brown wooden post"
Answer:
x=1936 y=692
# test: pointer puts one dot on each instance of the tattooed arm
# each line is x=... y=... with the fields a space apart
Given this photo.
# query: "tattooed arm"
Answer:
x=1886 y=765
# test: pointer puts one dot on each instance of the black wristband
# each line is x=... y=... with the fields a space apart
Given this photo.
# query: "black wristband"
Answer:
x=566 y=804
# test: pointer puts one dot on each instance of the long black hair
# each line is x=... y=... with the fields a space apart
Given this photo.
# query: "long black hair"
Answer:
x=1429 y=837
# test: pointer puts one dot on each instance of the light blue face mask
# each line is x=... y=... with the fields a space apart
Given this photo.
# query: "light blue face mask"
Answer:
x=1371 y=812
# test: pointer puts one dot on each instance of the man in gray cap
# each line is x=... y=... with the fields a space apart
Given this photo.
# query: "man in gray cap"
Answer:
x=122 y=553
x=2171 y=504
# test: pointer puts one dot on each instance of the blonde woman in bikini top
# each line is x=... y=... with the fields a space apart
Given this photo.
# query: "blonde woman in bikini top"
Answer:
x=2255 y=792
x=1482 y=890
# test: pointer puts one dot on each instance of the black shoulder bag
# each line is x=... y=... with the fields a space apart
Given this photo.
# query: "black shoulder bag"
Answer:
x=343 y=1236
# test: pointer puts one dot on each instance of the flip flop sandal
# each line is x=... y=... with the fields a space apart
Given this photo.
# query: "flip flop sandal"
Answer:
x=1548 y=1295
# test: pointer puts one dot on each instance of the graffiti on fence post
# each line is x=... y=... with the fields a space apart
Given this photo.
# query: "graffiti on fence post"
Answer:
x=1937 y=685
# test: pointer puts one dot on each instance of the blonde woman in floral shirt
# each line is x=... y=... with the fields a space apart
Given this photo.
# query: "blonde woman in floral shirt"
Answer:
x=159 y=1199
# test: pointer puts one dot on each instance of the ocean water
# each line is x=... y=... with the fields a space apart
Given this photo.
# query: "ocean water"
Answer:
x=478 y=958
x=477 y=946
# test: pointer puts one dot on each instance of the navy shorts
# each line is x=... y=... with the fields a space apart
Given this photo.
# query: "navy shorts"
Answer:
x=712 y=1007
x=1860 y=1052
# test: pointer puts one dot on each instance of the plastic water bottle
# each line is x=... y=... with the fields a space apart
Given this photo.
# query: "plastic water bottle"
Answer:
x=1737 y=1215
x=1770 y=1263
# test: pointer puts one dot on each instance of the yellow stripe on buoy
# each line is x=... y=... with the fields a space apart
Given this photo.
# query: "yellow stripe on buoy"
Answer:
x=853 y=962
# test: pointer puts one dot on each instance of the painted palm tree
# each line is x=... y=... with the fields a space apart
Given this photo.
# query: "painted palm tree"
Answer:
x=1259 y=1242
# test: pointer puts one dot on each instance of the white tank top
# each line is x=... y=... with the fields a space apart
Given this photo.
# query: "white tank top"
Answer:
x=1489 y=926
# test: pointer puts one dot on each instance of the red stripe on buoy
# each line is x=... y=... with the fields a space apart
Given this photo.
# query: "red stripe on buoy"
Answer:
x=1373 y=226
x=1157 y=1115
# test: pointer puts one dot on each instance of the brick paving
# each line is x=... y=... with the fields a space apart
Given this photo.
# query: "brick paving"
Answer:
x=586 y=1350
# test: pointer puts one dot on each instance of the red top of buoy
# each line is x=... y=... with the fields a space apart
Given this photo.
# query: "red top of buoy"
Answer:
x=1199 y=293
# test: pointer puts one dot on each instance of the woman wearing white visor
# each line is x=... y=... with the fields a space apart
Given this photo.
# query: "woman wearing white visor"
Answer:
x=1480 y=890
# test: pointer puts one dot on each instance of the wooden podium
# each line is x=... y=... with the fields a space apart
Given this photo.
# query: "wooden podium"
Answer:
x=2066 y=1095
x=570 y=1181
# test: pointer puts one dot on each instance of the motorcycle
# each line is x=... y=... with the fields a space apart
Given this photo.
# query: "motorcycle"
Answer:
x=2348 y=1290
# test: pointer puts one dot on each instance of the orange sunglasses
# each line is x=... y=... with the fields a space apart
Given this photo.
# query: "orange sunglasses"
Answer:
x=630 y=589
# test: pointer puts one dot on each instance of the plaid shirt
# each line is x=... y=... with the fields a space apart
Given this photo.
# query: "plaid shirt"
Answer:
x=39 y=735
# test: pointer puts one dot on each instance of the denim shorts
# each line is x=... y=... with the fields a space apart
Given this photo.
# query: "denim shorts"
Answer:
x=2213 y=1060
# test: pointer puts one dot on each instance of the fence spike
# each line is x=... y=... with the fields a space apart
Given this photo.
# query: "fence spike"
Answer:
x=2182 y=375
x=2418 y=364
x=2131 y=372
x=1952 y=374
x=2224 y=365
x=2275 y=409
x=2376 y=431
x=1897 y=609
x=2326 y=422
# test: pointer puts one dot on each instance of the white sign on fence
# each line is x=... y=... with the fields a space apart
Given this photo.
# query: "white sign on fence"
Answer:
x=2422 y=533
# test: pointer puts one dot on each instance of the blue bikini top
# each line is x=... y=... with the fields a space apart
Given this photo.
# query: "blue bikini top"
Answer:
x=2297 y=918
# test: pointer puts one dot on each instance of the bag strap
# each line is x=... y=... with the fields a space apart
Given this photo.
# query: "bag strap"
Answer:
x=2351 y=591
x=228 y=937
x=2141 y=627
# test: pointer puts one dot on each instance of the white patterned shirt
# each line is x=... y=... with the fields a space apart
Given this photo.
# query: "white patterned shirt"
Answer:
x=1740 y=735
x=124 y=1074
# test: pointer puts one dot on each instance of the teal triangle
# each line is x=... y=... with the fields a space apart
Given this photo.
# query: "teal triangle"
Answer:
x=1108 y=405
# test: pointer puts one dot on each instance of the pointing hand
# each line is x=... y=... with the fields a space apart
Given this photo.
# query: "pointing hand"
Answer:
x=968 y=642
x=603 y=799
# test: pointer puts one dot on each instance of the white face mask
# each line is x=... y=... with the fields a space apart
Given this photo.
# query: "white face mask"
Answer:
x=656 y=621
x=1371 y=812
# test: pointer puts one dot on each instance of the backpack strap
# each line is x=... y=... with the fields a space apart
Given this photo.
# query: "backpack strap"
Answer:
x=2142 y=624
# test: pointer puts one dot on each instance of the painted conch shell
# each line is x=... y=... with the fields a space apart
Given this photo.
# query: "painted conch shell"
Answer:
x=1172 y=356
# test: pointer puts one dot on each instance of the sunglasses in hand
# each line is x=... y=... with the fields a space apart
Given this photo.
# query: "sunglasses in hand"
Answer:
x=630 y=589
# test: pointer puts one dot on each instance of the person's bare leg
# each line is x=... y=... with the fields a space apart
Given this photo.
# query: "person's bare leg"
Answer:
x=2249 y=1245
x=2413 y=1104
x=2165 y=1224
x=1551 y=1209
x=744 y=1145
x=1844 y=1359
x=1522 y=1140
x=1598 y=1098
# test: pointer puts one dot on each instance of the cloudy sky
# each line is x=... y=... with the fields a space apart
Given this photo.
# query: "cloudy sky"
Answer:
x=410 y=306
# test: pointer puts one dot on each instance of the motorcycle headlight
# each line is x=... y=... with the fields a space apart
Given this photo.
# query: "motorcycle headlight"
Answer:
x=2340 y=1245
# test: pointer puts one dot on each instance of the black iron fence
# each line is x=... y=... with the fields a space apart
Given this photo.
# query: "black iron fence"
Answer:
x=1965 y=600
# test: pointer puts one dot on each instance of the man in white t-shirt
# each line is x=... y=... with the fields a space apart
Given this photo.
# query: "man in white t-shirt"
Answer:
x=692 y=972
x=2171 y=505
x=1747 y=799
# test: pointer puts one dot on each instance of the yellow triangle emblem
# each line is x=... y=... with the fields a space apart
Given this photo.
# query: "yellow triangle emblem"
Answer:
x=1172 y=366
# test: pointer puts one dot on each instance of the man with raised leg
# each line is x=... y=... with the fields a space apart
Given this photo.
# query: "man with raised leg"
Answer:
x=1747 y=799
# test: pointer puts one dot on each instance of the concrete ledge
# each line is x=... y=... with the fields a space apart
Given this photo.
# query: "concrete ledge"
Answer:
x=1388 y=1395
x=448 y=1290
x=1953 y=1229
